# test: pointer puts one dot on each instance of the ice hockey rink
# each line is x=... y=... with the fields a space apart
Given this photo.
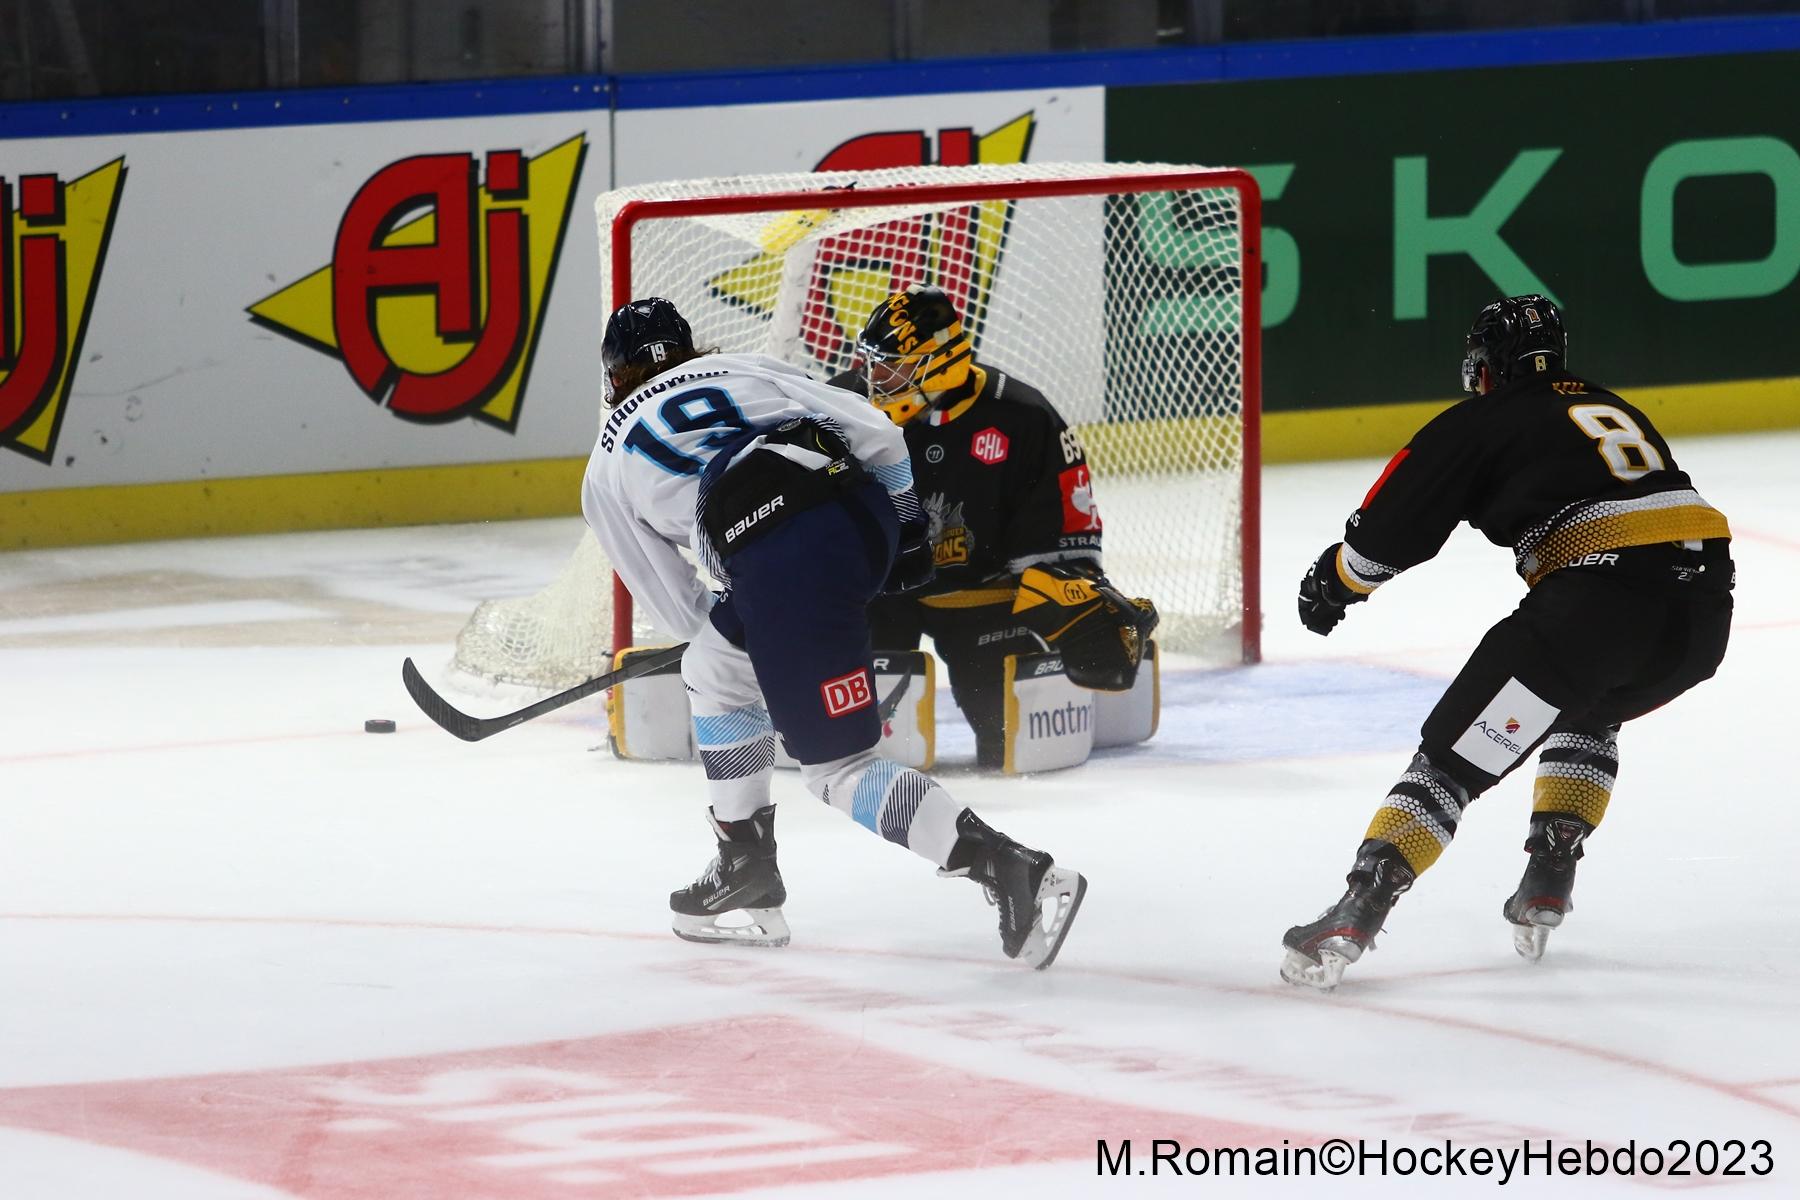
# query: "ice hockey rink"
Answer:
x=249 y=951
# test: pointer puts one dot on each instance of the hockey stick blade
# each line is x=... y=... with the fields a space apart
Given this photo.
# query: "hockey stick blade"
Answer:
x=473 y=729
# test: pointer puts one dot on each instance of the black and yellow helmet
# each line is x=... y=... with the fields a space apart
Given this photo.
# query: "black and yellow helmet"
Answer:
x=913 y=351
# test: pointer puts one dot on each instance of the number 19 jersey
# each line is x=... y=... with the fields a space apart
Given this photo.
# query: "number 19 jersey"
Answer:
x=1552 y=466
x=641 y=490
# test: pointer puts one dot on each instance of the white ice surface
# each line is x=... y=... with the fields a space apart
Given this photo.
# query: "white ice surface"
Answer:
x=247 y=950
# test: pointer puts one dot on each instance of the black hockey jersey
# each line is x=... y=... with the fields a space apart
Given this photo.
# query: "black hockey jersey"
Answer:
x=1003 y=480
x=1555 y=467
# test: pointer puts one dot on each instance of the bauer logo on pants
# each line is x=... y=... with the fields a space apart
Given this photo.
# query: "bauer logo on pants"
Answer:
x=847 y=693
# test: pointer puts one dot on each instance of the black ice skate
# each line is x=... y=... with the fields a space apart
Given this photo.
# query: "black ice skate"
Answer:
x=1037 y=899
x=1542 y=900
x=1318 y=953
x=738 y=900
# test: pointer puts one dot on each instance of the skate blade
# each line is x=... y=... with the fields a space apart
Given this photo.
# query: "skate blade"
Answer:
x=1323 y=975
x=1059 y=899
x=762 y=927
x=1529 y=941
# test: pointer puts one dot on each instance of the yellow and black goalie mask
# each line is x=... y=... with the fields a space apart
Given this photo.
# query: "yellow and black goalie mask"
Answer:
x=913 y=350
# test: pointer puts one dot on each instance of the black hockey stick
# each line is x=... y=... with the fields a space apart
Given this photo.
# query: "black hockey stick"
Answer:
x=473 y=729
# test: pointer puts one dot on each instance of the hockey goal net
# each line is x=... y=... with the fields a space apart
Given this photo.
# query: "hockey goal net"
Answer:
x=1117 y=290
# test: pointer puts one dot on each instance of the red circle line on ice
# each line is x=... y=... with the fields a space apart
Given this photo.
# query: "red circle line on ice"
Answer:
x=665 y=1111
x=1746 y=1093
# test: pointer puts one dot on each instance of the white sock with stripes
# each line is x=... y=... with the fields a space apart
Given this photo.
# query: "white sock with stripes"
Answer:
x=884 y=797
x=737 y=748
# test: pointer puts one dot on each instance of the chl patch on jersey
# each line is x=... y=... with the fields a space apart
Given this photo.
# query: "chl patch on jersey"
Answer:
x=1508 y=725
x=990 y=446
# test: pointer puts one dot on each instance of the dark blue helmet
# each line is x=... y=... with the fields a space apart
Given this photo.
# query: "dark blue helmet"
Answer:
x=1515 y=337
x=647 y=331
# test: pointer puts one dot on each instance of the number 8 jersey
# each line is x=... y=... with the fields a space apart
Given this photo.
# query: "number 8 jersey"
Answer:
x=1552 y=466
x=641 y=491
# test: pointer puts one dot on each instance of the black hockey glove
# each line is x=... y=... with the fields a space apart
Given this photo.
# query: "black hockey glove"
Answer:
x=1323 y=596
x=915 y=562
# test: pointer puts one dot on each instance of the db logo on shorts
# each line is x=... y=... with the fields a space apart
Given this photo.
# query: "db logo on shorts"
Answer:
x=848 y=693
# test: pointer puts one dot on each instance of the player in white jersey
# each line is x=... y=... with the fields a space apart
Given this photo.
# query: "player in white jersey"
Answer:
x=798 y=498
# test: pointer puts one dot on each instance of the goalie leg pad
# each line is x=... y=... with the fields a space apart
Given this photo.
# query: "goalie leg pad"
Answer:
x=1049 y=721
x=647 y=718
x=1126 y=718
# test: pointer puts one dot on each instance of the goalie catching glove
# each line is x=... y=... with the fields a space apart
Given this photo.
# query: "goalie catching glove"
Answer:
x=1099 y=631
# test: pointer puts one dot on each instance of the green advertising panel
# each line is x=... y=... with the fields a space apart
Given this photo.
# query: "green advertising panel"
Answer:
x=1657 y=201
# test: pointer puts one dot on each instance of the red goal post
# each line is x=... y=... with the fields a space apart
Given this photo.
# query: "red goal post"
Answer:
x=1129 y=294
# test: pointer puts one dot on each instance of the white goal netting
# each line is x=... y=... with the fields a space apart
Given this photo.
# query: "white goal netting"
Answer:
x=1123 y=301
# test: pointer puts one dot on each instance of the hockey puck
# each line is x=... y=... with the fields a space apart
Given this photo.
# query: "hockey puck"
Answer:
x=378 y=725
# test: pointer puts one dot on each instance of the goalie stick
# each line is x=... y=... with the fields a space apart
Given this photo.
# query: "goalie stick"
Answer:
x=892 y=704
x=473 y=729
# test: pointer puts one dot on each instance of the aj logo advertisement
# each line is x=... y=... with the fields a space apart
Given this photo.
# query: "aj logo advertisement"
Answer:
x=438 y=282
x=854 y=271
x=53 y=241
